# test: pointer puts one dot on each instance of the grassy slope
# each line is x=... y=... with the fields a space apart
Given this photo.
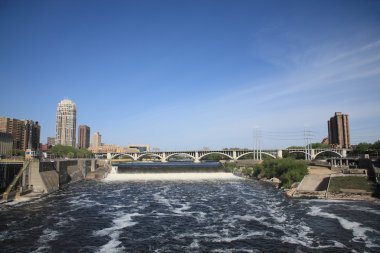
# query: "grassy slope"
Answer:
x=357 y=183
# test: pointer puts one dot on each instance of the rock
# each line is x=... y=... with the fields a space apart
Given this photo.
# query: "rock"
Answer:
x=275 y=180
x=295 y=185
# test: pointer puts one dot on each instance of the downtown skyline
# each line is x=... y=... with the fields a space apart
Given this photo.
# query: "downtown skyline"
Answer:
x=184 y=75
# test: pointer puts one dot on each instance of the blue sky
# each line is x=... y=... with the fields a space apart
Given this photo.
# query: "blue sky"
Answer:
x=193 y=74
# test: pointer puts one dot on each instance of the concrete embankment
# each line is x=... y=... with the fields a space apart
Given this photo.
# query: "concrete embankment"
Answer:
x=43 y=177
x=317 y=184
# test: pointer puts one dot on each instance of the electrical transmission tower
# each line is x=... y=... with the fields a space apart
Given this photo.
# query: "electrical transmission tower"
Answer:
x=307 y=139
x=257 y=144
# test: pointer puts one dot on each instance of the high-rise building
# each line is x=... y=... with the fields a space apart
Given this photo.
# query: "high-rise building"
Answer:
x=339 y=132
x=66 y=123
x=25 y=133
x=83 y=136
x=6 y=144
x=34 y=130
x=97 y=140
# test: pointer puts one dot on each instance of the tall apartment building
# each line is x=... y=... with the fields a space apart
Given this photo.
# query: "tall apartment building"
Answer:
x=66 y=121
x=97 y=140
x=339 y=132
x=25 y=133
x=6 y=144
x=83 y=136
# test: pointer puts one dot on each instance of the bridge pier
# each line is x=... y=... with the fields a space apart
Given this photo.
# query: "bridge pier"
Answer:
x=312 y=154
x=196 y=160
x=344 y=153
x=279 y=153
x=163 y=159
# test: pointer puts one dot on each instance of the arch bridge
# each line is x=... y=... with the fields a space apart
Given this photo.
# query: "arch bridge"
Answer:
x=197 y=156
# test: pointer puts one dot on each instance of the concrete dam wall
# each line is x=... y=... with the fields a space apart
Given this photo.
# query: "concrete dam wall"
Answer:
x=49 y=176
x=172 y=167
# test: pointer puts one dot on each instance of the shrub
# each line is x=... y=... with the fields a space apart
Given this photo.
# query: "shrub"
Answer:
x=288 y=170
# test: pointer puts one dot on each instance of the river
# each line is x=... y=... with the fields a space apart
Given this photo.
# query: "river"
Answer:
x=203 y=212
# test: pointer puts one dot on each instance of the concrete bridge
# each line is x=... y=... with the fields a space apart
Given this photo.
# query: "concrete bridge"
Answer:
x=197 y=156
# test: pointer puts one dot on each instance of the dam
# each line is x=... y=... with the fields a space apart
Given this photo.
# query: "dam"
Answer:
x=180 y=171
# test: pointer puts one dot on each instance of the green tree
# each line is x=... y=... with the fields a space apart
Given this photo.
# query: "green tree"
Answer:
x=18 y=152
x=362 y=148
x=83 y=153
x=296 y=147
x=319 y=145
x=68 y=151
x=288 y=170
x=376 y=145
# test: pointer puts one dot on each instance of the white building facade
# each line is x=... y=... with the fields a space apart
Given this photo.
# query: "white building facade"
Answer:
x=66 y=122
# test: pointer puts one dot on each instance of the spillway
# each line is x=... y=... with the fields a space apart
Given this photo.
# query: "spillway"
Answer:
x=169 y=171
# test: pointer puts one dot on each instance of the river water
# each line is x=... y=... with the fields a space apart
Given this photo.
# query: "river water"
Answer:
x=203 y=212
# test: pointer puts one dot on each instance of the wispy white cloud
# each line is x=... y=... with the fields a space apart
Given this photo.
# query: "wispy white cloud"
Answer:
x=306 y=95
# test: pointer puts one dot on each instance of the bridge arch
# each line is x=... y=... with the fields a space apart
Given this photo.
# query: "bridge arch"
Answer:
x=183 y=154
x=118 y=155
x=149 y=154
x=328 y=151
x=265 y=153
x=219 y=153
x=299 y=152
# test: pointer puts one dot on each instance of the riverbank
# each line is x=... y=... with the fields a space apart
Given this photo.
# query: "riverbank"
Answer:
x=316 y=184
x=321 y=183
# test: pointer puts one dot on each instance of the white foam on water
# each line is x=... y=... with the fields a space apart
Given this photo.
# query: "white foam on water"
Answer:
x=308 y=243
x=364 y=209
x=295 y=232
x=236 y=250
x=123 y=221
x=184 y=207
x=181 y=211
x=119 y=206
x=171 y=176
x=198 y=235
x=47 y=236
x=241 y=236
x=249 y=218
x=4 y=235
x=161 y=199
x=200 y=216
x=119 y=223
x=338 y=244
x=194 y=244
x=358 y=230
x=113 y=245
x=84 y=202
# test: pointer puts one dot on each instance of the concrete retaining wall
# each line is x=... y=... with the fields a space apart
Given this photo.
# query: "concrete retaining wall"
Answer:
x=43 y=182
x=47 y=177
